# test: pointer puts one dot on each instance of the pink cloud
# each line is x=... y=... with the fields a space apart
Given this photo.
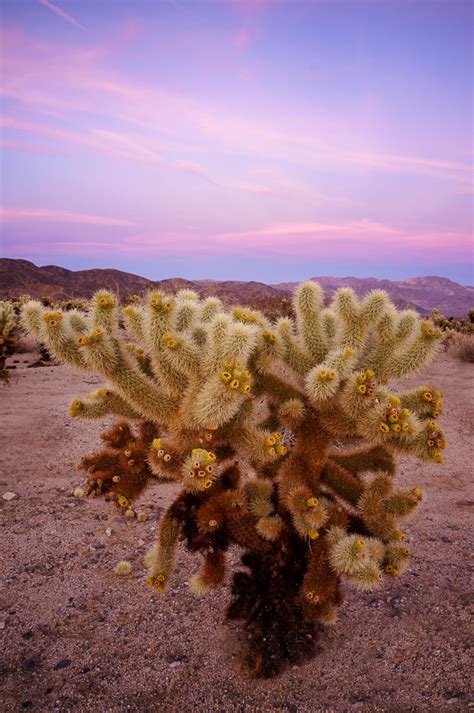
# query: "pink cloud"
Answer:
x=57 y=216
x=28 y=147
x=66 y=16
x=243 y=38
x=193 y=168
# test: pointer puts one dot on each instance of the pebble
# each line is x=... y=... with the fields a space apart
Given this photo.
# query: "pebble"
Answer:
x=78 y=493
x=64 y=663
x=9 y=496
x=108 y=531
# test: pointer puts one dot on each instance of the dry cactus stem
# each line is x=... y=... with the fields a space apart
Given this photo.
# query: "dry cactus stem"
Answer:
x=282 y=437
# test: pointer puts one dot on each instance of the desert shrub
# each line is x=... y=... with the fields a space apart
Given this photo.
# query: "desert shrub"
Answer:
x=282 y=437
x=8 y=336
x=463 y=347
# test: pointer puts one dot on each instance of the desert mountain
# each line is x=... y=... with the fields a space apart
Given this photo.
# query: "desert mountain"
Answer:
x=422 y=293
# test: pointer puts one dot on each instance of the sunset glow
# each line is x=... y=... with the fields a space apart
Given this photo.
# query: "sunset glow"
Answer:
x=269 y=140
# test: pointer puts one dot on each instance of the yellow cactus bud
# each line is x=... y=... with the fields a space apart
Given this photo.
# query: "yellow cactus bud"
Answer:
x=405 y=412
x=122 y=501
x=389 y=569
x=157 y=443
x=271 y=451
x=245 y=388
x=362 y=378
x=207 y=483
x=384 y=427
x=370 y=374
x=211 y=427
x=168 y=306
x=83 y=341
x=331 y=375
x=312 y=502
x=361 y=389
x=359 y=544
x=313 y=534
x=277 y=435
x=281 y=450
x=417 y=492
x=427 y=329
x=323 y=373
x=226 y=376
x=75 y=407
x=393 y=418
x=271 y=440
x=102 y=393
x=246 y=374
x=394 y=400
x=399 y=535
x=211 y=456
x=428 y=396
x=234 y=384
x=396 y=427
x=348 y=352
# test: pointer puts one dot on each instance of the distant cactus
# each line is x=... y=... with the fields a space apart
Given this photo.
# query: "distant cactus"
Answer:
x=462 y=325
x=282 y=435
x=8 y=336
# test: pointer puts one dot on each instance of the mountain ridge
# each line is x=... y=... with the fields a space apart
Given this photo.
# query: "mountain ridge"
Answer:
x=18 y=276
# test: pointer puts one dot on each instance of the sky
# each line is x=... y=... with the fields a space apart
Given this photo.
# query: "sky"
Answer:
x=269 y=140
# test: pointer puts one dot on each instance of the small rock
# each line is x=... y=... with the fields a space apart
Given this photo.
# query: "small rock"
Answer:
x=141 y=543
x=2 y=624
x=64 y=663
x=78 y=493
x=108 y=531
x=175 y=664
x=142 y=517
x=9 y=496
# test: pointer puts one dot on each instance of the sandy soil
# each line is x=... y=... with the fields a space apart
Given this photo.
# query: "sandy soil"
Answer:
x=75 y=637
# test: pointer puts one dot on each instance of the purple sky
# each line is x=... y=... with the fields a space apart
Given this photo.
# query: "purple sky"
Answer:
x=249 y=139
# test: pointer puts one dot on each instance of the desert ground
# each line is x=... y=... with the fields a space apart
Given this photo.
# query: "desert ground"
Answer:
x=76 y=637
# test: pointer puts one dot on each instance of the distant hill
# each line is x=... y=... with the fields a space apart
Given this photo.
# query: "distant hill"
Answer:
x=421 y=293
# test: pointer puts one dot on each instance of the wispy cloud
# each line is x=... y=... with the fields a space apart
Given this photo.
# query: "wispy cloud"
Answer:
x=59 y=216
x=65 y=15
x=193 y=168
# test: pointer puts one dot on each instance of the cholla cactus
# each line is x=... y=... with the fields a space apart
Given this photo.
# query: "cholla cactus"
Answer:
x=8 y=336
x=282 y=437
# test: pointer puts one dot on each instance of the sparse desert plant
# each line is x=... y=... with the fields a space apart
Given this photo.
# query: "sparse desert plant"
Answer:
x=463 y=347
x=282 y=436
x=8 y=336
x=461 y=325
